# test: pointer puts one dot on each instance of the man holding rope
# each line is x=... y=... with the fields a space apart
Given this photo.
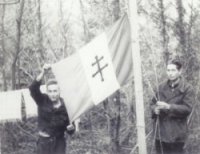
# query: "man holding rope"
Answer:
x=52 y=116
x=170 y=107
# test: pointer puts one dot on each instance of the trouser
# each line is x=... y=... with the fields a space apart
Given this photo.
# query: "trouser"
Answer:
x=51 y=145
x=169 y=148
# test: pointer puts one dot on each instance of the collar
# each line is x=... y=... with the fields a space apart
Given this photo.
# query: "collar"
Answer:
x=179 y=84
x=173 y=84
x=57 y=104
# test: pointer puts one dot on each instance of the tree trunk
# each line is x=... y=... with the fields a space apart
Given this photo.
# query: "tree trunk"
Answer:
x=180 y=25
x=116 y=10
x=163 y=30
x=115 y=123
x=5 y=87
x=192 y=19
x=64 y=28
x=118 y=124
x=105 y=106
x=18 y=74
x=18 y=42
x=3 y=55
x=39 y=31
x=85 y=26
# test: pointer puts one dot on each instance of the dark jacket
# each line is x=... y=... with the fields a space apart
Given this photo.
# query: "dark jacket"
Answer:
x=173 y=122
x=50 y=120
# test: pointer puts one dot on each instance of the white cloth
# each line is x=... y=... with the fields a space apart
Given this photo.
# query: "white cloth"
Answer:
x=30 y=105
x=10 y=104
x=10 y=108
x=98 y=69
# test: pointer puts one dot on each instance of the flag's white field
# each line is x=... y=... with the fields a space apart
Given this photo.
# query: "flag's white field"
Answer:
x=74 y=74
x=104 y=83
x=97 y=70
x=73 y=85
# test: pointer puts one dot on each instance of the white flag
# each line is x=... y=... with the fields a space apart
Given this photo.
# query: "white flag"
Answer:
x=97 y=70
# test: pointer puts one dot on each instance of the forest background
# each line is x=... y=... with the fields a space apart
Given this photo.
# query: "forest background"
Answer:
x=35 y=32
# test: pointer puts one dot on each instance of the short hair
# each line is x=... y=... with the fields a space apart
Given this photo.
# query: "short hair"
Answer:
x=176 y=62
x=51 y=82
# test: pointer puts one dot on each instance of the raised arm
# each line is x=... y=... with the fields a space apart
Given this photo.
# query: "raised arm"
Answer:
x=35 y=86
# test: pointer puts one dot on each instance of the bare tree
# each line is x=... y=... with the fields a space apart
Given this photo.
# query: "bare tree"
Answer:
x=193 y=18
x=64 y=27
x=9 y=2
x=180 y=25
x=115 y=125
x=116 y=121
x=163 y=30
x=116 y=10
x=39 y=30
x=18 y=42
x=85 y=26
x=3 y=53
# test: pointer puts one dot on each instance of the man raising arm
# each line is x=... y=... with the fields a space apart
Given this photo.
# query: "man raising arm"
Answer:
x=52 y=116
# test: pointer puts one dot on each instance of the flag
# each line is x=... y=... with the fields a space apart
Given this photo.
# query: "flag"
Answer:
x=97 y=70
x=10 y=105
x=31 y=107
x=18 y=104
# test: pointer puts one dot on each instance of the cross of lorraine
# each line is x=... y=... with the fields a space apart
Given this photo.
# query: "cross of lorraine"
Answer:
x=99 y=67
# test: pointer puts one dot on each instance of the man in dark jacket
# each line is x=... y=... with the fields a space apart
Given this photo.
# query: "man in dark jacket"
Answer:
x=170 y=108
x=52 y=116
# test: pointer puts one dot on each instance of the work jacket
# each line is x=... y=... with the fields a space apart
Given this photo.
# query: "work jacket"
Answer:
x=172 y=123
x=52 y=121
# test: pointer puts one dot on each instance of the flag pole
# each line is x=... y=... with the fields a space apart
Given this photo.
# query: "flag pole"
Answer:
x=140 y=123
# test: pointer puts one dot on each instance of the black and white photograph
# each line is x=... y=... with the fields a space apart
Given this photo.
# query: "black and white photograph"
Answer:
x=99 y=77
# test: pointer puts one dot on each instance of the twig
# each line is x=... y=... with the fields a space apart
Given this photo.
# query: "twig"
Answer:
x=26 y=72
x=26 y=132
x=10 y=3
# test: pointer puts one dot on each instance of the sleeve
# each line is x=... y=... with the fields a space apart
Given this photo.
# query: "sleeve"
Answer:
x=183 y=109
x=35 y=92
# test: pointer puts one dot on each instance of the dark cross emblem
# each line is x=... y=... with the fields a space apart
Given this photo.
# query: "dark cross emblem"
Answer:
x=99 y=68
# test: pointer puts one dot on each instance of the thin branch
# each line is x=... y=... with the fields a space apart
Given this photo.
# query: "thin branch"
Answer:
x=26 y=73
x=10 y=3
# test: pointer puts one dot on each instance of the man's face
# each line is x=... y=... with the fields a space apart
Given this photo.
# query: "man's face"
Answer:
x=53 y=92
x=172 y=72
